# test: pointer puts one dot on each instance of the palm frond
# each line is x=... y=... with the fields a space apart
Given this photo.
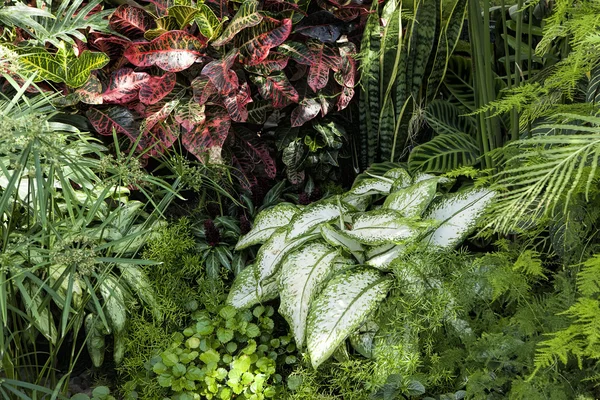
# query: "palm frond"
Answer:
x=546 y=170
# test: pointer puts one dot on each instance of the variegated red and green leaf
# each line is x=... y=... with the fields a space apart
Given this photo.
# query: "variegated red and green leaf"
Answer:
x=164 y=24
x=257 y=49
x=158 y=113
x=206 y=141
x=220 y=74
x=235 y=103
x=277 y=88
x=190 y=115
x=345 y=97
x=124 y=86
x=160 y=138
x=247 y=16
x=157 y=87
x=173 y=52
x=119 y=119
x=306 y=110
x=131 y=21
x=346 y=75
x=324 y=60
x=274 y=62
x=299 y=52
x=91 y=92
x=204 y=90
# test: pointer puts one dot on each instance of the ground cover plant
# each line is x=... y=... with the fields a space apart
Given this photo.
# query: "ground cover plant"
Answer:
x=299 y=199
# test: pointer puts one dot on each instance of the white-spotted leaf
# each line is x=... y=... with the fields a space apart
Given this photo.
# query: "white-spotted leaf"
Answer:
x=266 y=223
x=457 y=214
x=382 y=226
x=315 y=214
x=340 y=308
x=245 y=291
x=302 y=275
x=413 y=200
x=384 y=260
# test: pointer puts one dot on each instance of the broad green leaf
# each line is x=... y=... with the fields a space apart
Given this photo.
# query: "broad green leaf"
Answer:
x=413 y=200
x=384 y=260
x=245 y=291
x=382 y=226
x=446 y=118
x=272 y=253
x=266 y=223
x=246 y=17
x=62 y=67
x=457 y=214
x=315 y=214
x=184 y=15
x=341 y=307
x=302 y=275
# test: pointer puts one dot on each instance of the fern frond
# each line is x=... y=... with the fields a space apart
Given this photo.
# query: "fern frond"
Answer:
x=588 y=279
x=544 y=171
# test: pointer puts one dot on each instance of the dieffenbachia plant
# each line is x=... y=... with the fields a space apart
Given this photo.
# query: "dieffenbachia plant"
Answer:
x=329 y=262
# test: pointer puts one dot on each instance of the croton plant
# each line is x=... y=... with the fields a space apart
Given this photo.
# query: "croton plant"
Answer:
x=330 y=262
x=168 y=70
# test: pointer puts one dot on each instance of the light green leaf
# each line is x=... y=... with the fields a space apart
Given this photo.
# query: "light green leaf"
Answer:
x=315 y=214
x=184 y=15
x=114 y=303
x=245 y=293
x=413 y=200
x=266 y=223
x=382 y=226
x=371 y=186
x=274 y=250
x=302 y=274
x=341 y=307
x=458 y=214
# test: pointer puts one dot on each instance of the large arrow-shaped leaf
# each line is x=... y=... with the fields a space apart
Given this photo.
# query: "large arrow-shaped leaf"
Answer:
x=345 y=302
x=172 y=51
x=266 y=223
x=302 y=275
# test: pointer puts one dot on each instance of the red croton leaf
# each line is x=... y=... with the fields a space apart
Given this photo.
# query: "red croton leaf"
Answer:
x=299 y=52
x=324 y=60
x=208 y=138
x=257 y=49
x=124 y=86
x=131 y=21
x=306 y=110
x=345 y=97
x=278 y=88
x=172 y=51
x=236 y=103
x=156 y=114
x=280 y=6
x=119 y=119
x=274 y=62
x=157 y=87
x=190 y=114
x=220 y=74
x=160 y=139
x=203 y=89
